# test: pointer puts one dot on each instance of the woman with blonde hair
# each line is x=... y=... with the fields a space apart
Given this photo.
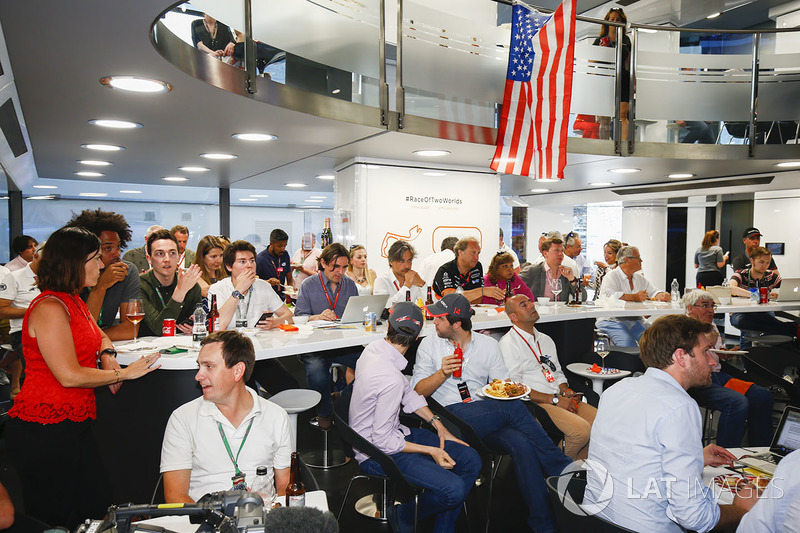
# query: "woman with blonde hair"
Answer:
x=358 y=270
x=209 y=258
x=709 y=259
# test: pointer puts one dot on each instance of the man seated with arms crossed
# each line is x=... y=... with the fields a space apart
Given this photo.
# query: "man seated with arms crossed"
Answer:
x=400 y=280
x=464 y=274
x=445 y=466
x=531 y=358
x=505 y=424
x=324 y=297
x=627 y=284
x=738 y=401
x=217 y=441
x=119 y=280
x=539 y=277
x=167 y=292
x=273 y=264
x=756 y=276
x=648 y=436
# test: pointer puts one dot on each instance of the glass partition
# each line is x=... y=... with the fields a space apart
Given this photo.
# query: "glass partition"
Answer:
x=254 y=224
x=778 y=88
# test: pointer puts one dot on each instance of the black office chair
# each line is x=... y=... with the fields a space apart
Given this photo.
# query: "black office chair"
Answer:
x=757 y=371
x=566 y=519
x=539 y=412
x=394 y=482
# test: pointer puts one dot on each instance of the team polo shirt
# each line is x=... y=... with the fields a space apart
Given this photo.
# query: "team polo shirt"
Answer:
x=770 y=279
x=449 y=277
x=271 y=266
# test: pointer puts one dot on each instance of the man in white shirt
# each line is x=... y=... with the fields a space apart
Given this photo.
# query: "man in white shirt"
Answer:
x=430 y=265
x=217 y=441
x=504 y=424
x=572 y=250
x=627 y=284
x=401 y=281
x=531 y=358
x=778 y=508
x=23 y=246
x=648 y=437
x=505 y=248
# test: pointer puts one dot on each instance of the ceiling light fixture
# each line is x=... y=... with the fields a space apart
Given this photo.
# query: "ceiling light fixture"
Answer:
x=93 y=194
x=213 y=155
x=88 y=174
x=248 y=199
x=537 y=191
x=679 y=175
x=130 y=192
x=116 y=124
x=788 y=164
x=336 y=91
x=624 y=170
x=256 y=137
x=45 y=187
x=601 y=183
x=103 y=147
x=194 y=169
x=135 y=84
x=319 y=197
x=174 y=178
x=95 y=163
x=714 y=15
x=40 y=197
x=313 y=201
x=326 y=177
x=296 y=185
x=431 y=153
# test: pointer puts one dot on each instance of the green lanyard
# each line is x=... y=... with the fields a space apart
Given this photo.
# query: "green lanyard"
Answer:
x=158 y=293
x=228 y=447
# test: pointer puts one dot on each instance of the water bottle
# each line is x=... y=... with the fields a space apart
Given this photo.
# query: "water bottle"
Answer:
x=199 y=330
x=241 y=315
x=262 y=485
x=675 y=291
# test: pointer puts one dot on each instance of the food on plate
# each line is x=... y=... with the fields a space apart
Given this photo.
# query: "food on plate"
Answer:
x=499 y=388
x=734 y=482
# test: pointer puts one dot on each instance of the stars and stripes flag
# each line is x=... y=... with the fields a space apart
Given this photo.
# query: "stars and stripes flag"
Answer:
x=532 y=137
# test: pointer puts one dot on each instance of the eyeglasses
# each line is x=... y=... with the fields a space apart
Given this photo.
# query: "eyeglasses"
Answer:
x=638 y=257
x=706 y=305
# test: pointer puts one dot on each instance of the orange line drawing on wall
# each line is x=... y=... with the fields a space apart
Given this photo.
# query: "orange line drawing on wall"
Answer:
x=461 y=231
x=390 y=238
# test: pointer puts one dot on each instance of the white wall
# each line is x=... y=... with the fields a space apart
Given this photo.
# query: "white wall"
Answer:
x=695 y=230
x=778 y=220
x=646 y=228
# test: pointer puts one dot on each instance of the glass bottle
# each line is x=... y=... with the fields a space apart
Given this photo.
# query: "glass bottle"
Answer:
x=295 y=490
x=263 y=486
x=213 y=315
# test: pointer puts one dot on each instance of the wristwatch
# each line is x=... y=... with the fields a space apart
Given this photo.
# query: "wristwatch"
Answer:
x=110 y=351
x=237 y=294
x=435 y=417
x=555 y=399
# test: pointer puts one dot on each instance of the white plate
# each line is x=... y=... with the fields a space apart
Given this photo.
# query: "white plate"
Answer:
x=487 y=395
x=729 y=352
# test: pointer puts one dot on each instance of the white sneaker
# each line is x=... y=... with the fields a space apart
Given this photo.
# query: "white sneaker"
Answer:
x=4 y=378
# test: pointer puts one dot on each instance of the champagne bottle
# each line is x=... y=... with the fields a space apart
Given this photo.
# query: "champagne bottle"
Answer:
x=295 y=490
x=326 y=236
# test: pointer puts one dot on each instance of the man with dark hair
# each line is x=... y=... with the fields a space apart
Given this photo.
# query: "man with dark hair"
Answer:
x=751 y=237
x=445 y=466
x=656 y=462
x=430 y=265
x=181 y=234
x=23 y=246
x=400 y=282
x=217 y=441
x=464 y=274
x=539 y=277
x=119 y=280
x=273 y=264
x=138 y=256
x=505 y=424
x=324 y=297
x=166 y=290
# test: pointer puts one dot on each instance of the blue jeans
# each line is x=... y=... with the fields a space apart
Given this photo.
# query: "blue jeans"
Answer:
x=510 y=426
x=318 y=373
x=445 y=490
x=764 y=322
x=623 y=332
x=754 y=407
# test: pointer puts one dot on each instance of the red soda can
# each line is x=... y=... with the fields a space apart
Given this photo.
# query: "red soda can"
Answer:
x=763 y=293
x=168 y=327
x=460 y=355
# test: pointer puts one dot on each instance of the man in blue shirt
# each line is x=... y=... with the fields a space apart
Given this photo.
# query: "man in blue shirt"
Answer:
x=273 y=264
x=324 y=297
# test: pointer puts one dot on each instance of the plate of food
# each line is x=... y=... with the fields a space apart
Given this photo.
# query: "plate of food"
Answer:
x=501 y=389
x=728 y=352
x=733 y=482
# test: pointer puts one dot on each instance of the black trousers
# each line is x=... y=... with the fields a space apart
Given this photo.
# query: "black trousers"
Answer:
x=707 y=279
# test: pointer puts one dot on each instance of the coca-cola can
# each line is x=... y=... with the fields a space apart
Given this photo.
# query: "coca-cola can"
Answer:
x=168 y=327
x=763 y=293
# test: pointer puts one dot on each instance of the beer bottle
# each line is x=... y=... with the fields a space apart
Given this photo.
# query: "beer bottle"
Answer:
x=509 y=292
x=408 y=295
x=295 y=490
x=213 y=315
x=428 y=301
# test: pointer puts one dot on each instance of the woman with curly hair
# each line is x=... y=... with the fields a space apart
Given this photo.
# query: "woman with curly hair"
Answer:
x=501 y=275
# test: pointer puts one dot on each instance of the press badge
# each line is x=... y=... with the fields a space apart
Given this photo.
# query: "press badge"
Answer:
x=238 y=482
x=464 y=391
x=546 y=372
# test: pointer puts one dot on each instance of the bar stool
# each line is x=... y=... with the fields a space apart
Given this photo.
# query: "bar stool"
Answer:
x=325 y=459
x=296 y=401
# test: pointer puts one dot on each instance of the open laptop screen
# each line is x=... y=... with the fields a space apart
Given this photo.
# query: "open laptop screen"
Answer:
x=787 y=436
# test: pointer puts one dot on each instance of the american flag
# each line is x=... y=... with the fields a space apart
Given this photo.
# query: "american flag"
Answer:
x=532 y=137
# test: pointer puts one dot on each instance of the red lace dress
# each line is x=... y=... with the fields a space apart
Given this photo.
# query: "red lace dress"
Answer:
x=42 y=399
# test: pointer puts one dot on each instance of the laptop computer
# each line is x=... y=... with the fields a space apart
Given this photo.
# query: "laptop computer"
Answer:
x=790 y=290
x=358 y=306
x=785 y=441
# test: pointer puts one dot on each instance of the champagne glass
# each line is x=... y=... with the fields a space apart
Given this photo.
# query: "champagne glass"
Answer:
x=555 y=286
x=601 y=348
x=135 y=313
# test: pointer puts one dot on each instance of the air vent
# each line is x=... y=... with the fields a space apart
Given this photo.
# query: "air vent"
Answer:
x=706 y=184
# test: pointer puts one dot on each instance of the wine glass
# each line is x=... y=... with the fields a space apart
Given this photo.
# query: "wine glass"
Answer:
x=135 y=313
x=555 y=286
x=601 y=348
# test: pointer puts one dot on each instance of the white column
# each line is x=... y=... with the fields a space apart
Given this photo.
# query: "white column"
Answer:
x=646 y=228
x=695 y=230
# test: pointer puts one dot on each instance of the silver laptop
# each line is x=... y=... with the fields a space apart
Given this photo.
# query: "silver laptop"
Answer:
x=358 y=306
x=790 y=290
x=785 y=441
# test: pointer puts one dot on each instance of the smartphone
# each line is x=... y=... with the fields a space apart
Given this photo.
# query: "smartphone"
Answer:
x=265 y=316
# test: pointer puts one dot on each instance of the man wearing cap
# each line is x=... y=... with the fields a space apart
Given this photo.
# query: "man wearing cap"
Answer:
x=504 y=424
x=401 y=283
x=465 y=274
x=751 y=237
x=445 y=466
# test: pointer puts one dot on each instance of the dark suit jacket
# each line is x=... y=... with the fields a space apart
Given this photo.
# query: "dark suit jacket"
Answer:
x=536 y=277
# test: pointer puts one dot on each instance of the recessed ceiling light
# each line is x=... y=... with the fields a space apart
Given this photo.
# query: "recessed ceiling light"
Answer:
x=540 y=190
x=95 y=163
x=117 y=124
x=194 y=169
x=254 y=137
x=136 y=84
x=259 y=196
x=248 y=199
x=45 y=187
x=788 y=164
x=601 y=183
x=174 y=178
x=714 y=15
x=679 y=175
x=326 y=177
x=93 y=194
x=623 y=170
x=296 y=185
x=431 y=153
x=130 y=192
x=313 y=201
x=218 y=156
x=40 y=197
x=319 y=197
x=434 y=174
x=88 y=174
x=103 y=147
